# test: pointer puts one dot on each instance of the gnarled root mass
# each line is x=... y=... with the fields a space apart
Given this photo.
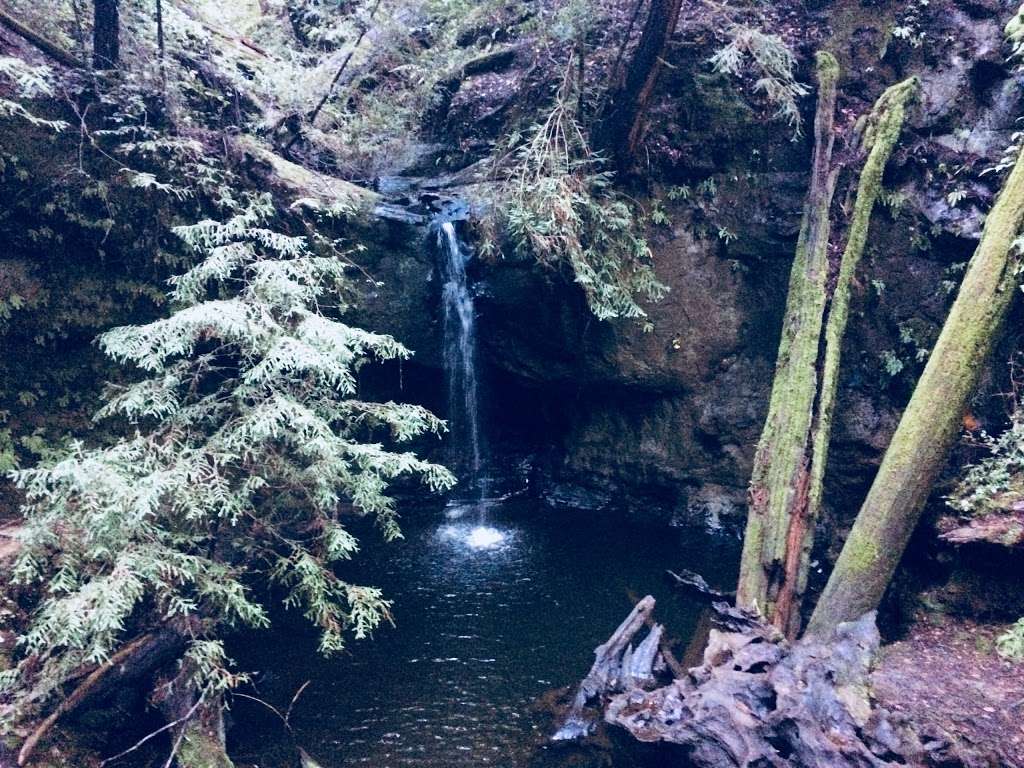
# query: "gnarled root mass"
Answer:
x=759 y=700
x=756 y=700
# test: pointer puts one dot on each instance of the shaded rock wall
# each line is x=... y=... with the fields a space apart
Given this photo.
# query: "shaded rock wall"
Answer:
x=668 y=420
x=664 y=421
x=652 y=417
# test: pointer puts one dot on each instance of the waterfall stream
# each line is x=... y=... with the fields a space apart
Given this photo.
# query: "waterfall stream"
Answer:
x=459 y=349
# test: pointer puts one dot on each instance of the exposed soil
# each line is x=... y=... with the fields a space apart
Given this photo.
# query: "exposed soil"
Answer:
x=959 y=696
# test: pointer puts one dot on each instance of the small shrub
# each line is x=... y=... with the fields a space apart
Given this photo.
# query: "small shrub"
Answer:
x=1010 y=644
x=558 y=204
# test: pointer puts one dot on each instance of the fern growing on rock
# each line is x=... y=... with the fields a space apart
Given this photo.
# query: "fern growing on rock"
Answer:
x=250 y=446
x=775 y=63
x=557 y=203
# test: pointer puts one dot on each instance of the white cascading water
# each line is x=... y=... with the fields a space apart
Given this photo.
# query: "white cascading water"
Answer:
x=460 y=350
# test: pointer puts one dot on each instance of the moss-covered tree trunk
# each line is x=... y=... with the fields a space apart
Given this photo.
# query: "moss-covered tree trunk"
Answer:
x=202 y=739
x=198 y=732
x=786 y=488
x=778 y=484
x=884 y=125
x=931 y=421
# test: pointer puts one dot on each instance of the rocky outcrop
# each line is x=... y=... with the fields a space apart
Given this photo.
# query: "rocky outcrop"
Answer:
x=668 y=419
x=661 y=414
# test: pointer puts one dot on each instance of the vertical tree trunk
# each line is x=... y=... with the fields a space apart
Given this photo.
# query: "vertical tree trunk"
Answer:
x=106 y=34
x=621 y=126
x=76 y=11
x=198 y=733
x=160 y=29
x=779 y=483
x=931 y=421
x=789 y=469
x=884 y=125
x=202 y=739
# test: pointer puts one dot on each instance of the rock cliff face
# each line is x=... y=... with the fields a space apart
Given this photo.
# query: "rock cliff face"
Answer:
x=668 y=420
x=666 y=417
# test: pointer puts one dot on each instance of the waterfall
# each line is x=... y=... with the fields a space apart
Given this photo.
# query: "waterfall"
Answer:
x=459 y=349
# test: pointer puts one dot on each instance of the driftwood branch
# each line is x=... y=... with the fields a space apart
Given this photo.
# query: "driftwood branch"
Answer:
x=696 y=584
x=724 y=615
x=664 y=648
x=47 y=46
x=618 y=666
x=242 y=42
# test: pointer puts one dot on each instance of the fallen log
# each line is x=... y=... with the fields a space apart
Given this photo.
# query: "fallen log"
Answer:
x=1005 y=529
x=47 y=46
x=757 y=700
x=307 y=188
x=244 y=44
x=617 y=667
x=135 y=659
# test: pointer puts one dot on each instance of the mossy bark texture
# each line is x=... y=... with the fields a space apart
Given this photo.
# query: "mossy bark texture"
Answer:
x=885 y=123
x=202 y=742
x=786 y=487
x=931 y=421
x=779 y=481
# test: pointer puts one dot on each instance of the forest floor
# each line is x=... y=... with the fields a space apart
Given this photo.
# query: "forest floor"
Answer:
x=8 y=542
x=949 y=682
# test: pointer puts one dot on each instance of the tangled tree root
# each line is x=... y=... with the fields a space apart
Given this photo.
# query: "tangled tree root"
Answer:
x=756 y=700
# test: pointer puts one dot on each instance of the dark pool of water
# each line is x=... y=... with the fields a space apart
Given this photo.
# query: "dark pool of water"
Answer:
x=492 y=608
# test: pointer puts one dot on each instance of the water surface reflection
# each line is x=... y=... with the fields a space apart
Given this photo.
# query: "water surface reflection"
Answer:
x=492 y=608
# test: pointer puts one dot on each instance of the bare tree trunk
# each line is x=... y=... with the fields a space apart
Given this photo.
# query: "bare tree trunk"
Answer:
x=76 y=11
x=106 y=34
x=776 y=522
x=930 y=423
x=621 y=127
x=160 y=30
